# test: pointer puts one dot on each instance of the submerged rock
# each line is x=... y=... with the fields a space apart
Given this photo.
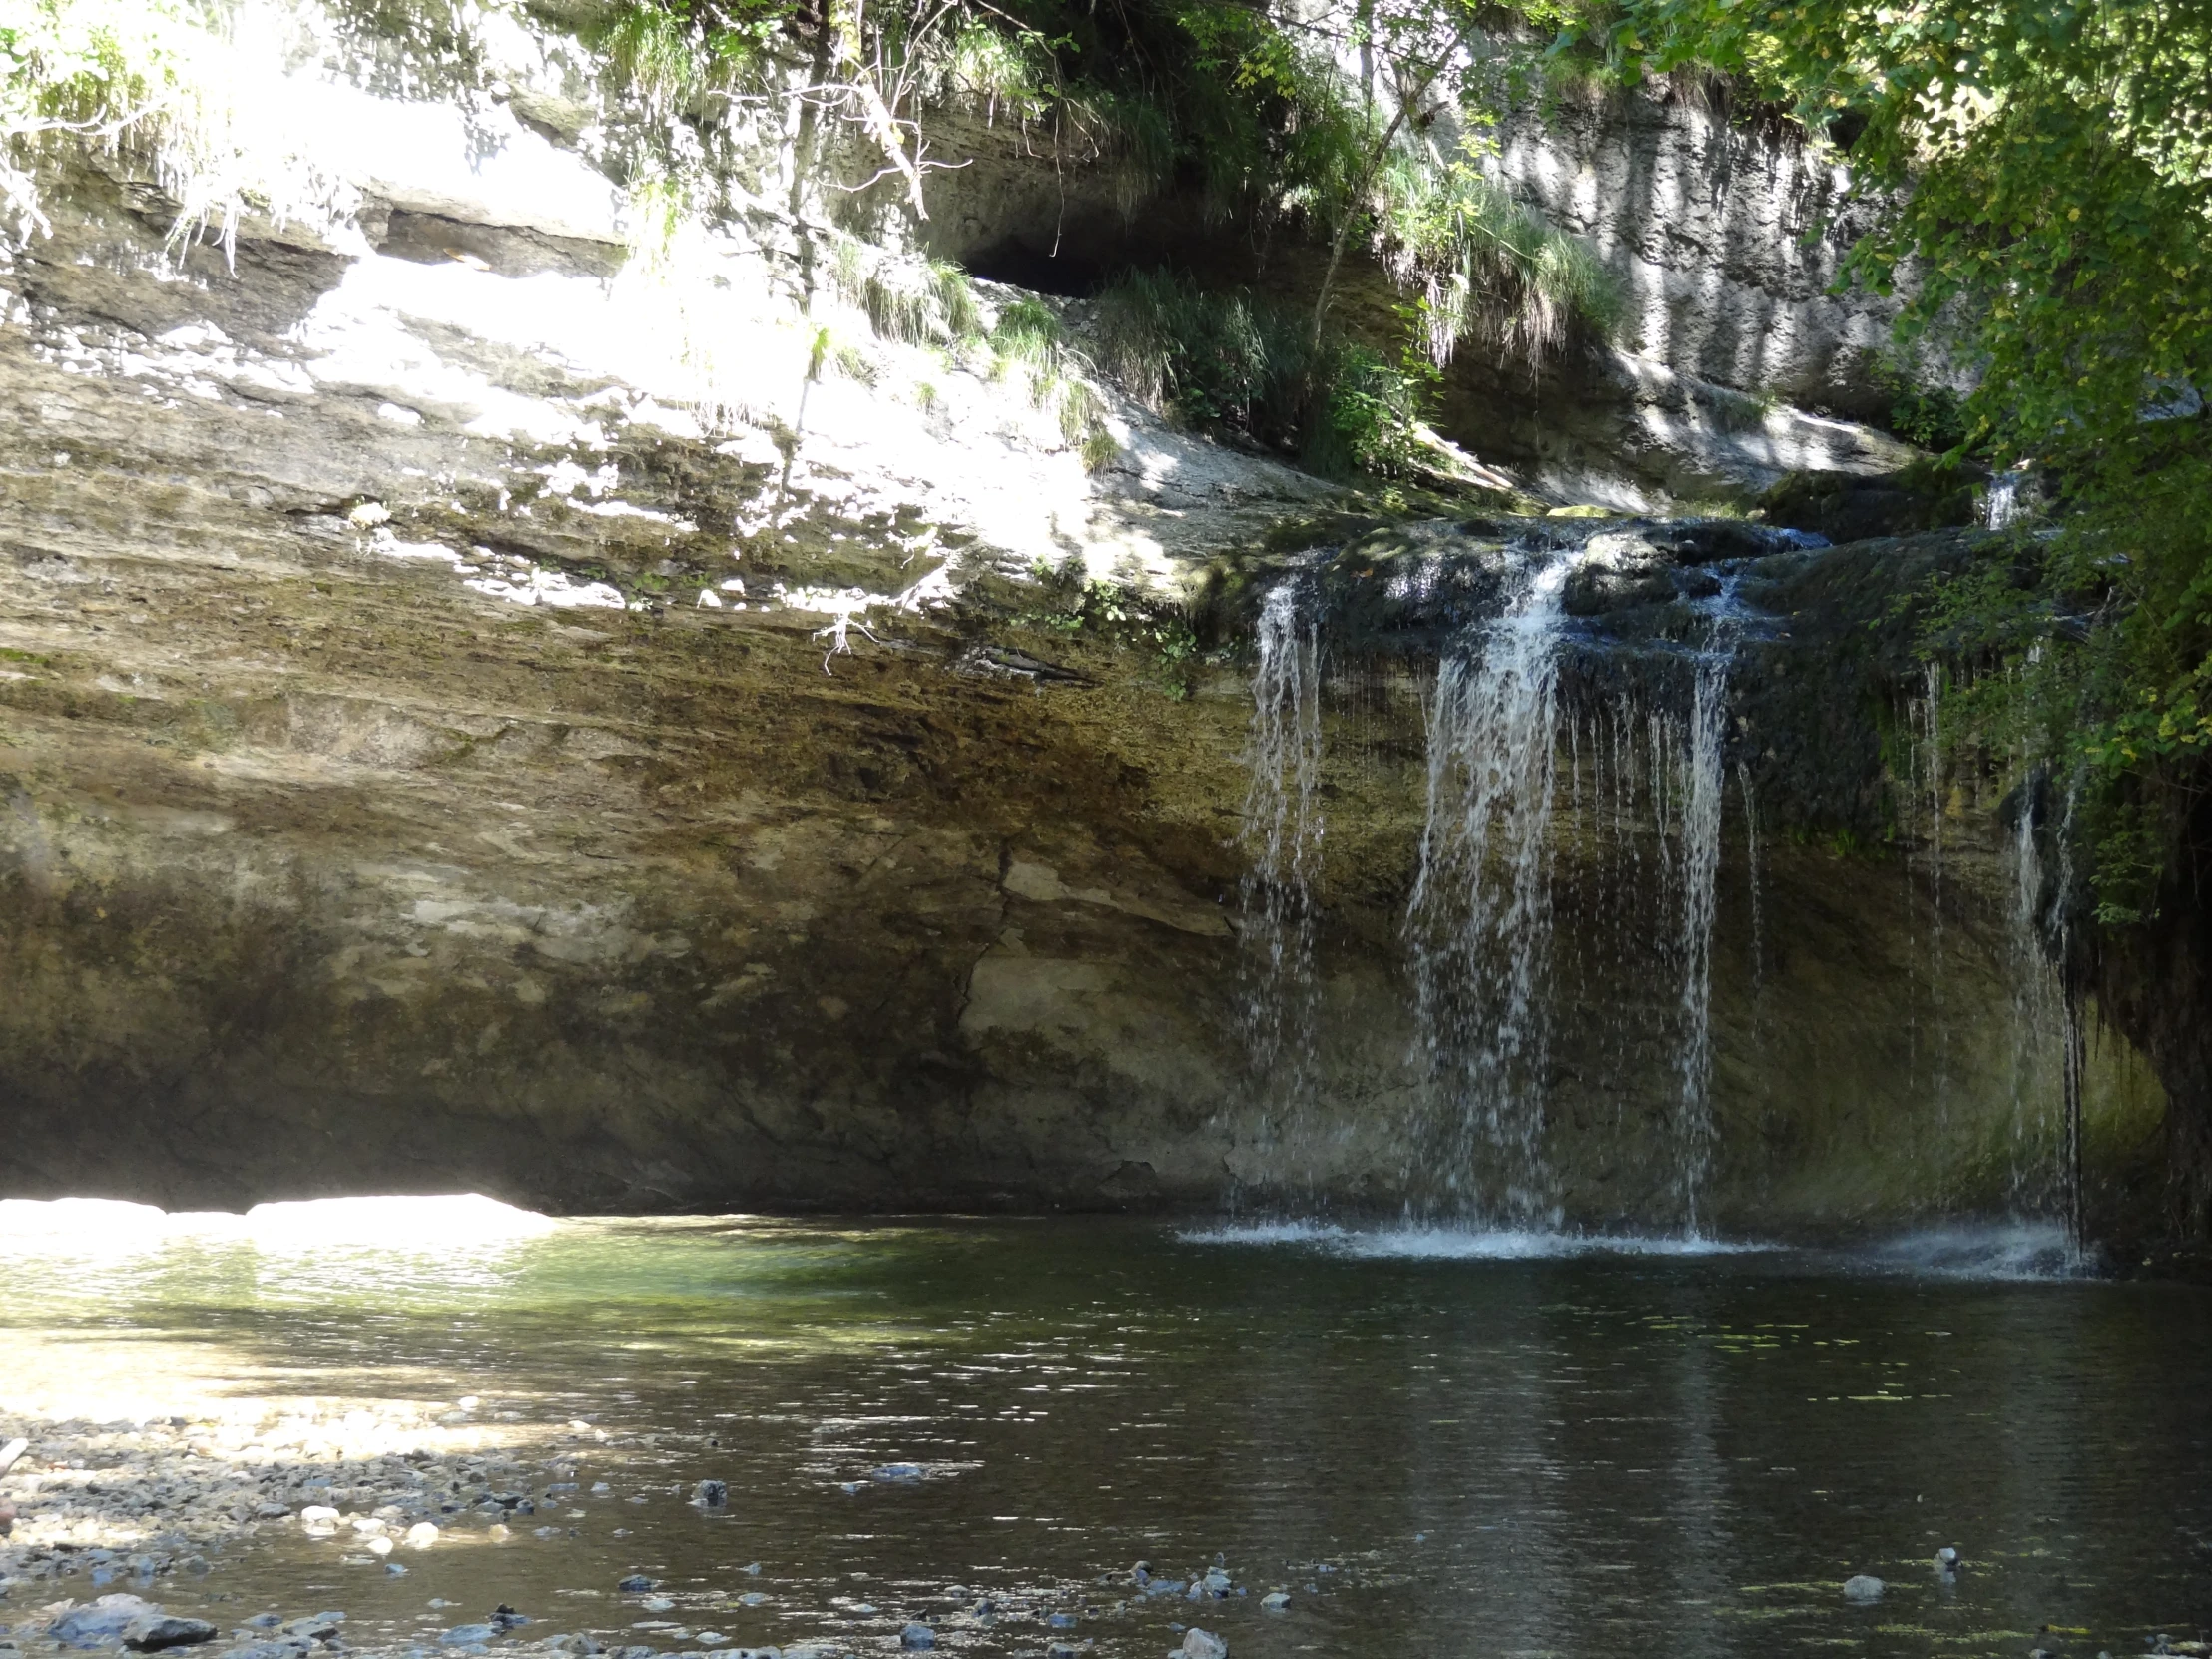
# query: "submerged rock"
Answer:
x=1203 y=1644
x=1862 y=1587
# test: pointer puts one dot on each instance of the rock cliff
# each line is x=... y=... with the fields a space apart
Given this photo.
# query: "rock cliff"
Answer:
x=478 y=714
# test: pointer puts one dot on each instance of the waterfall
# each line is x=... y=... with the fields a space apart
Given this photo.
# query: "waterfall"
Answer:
x=2001 y=509
x=1751 y=861
x=1479 y=920
x=1698 y=864
x=2036 y=1015
x=1283 y=838
x=1700 y=867
x=1931 y=741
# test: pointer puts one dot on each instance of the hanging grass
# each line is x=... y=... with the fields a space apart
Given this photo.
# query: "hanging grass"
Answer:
x=1227 y=366
x=1485 y=268
x=154 y=83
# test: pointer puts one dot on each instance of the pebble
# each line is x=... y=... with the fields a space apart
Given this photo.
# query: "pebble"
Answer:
x=1862 y=1587
x=1275 y=1602
x=711 y=1495
x=637 y=1583
x=468 y=1635
x=421 y=1535
x=917 y=1637
x=898 y=1474
x=1203 y=1644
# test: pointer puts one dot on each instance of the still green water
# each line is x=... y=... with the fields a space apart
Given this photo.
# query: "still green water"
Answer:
x=1435 y=1446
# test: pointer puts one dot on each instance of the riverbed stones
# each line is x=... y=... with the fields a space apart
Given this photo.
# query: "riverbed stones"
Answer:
x=917 y=1638
x=1862 y=1587
x=1203 y=1644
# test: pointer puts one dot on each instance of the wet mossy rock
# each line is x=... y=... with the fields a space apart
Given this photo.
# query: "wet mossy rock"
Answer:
x=1928 y=494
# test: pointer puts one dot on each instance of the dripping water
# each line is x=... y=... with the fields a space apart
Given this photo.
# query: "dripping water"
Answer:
x=2038 y=1013
x=1751 y=861
x=1282 y=842
x=2073 y=1057
x=1699 y=871
x=1930 y=735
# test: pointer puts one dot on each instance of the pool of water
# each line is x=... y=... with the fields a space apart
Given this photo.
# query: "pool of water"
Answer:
x=1436 y=1443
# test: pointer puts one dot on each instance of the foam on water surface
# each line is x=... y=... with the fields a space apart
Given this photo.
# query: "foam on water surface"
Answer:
x=1461 y=1243
x=2000 y=1251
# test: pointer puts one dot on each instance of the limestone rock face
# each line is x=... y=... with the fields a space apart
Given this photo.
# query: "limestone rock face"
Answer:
x=432 y=758
x=1728 y=238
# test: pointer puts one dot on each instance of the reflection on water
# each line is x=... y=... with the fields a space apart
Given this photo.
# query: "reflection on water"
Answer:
x=1435 y=1447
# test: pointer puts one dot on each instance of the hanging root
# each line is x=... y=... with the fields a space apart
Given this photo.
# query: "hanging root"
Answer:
x=839 y=645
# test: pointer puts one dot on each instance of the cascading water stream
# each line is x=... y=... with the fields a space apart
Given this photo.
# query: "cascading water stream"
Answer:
x=1282 y=836
x=1700 y=884
x=1479 y=920
x=2037 y=1017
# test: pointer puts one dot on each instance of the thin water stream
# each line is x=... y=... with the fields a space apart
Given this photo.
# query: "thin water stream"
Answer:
x=1433 y=1443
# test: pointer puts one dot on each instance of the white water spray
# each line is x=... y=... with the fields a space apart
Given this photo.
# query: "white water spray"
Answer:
x=2002 y=508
